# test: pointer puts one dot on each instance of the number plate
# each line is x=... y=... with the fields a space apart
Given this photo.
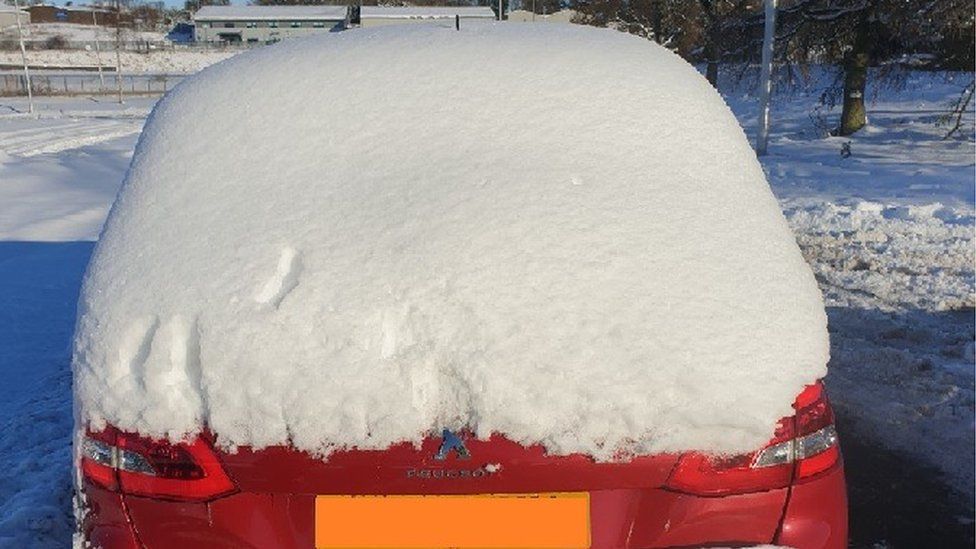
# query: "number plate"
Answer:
x=530 y=521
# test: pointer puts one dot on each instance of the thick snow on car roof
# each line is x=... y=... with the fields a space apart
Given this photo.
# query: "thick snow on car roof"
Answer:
x=552 y=232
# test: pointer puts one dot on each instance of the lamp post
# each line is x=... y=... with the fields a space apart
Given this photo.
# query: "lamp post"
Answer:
x=23 y=57
x=118 y=48
x=765 y=77
x=98 y=52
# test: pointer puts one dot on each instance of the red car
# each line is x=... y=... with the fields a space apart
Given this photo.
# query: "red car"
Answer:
x=456 y=491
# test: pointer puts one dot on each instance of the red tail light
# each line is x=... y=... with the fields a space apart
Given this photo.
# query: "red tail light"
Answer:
x=132 y=464
x=803 y=445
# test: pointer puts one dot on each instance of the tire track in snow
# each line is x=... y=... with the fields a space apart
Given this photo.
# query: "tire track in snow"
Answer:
x=66 y=136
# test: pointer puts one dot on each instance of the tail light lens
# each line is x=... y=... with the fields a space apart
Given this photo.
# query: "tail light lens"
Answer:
x=133 y=464
x=802 y=446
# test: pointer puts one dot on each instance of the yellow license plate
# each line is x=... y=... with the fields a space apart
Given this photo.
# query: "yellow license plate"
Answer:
x=525 y=521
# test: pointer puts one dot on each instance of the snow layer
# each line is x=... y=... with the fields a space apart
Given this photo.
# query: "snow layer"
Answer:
x=867 y=254
x=60 y=168
x=556 y=233
x=175 y=61
x=39 y=32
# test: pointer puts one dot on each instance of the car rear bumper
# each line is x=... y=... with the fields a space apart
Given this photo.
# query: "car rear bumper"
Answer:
x=816 y=513
x=815 y=517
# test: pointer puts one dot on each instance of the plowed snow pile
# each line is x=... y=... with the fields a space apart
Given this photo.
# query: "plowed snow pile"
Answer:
x=553 y=232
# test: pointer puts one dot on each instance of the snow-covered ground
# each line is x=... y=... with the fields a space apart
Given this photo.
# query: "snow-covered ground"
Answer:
x=39 y=32
x=161 y=61
x=60 y=170
x=889 y=231
x=58 y=176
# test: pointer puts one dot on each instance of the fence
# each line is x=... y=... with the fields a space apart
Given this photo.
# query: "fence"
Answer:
x=87 y=84
x=140 y=46
x=8 y=43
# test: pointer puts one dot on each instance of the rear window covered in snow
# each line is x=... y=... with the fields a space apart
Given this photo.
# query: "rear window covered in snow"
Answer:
x=555 y=233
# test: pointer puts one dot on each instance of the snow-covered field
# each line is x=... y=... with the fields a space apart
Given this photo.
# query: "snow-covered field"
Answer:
x=58 y=176
x=60 y=170
x=889 y=231
x=161 y=61
x=39 y=32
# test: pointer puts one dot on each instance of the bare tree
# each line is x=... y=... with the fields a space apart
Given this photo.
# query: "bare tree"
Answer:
x=863 y=33
x=719 y=24
x=193 y=5
x=700 y=30
x=855 y=35
x=542 y=6
x=958 y=109
x=666 y=22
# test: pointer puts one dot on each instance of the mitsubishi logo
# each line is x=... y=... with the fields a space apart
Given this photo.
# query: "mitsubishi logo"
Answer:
x=451 y=442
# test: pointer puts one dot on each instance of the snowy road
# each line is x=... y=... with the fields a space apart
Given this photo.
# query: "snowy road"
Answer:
x=889 y=232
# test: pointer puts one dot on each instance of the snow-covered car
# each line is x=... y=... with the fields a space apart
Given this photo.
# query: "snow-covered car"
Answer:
x=501 y=286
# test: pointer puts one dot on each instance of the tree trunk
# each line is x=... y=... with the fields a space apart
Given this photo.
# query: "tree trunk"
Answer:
x=711 y=71
x=711 y=42
x=657 y=17
x=856 y=62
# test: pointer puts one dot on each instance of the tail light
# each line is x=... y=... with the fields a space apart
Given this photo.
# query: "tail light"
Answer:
x=803 y=445
x=132 y=464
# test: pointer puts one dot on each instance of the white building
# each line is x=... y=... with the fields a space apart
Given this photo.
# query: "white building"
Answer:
x=9 y=15
x=265 y=24
x=375 y=16
x=525 y=16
